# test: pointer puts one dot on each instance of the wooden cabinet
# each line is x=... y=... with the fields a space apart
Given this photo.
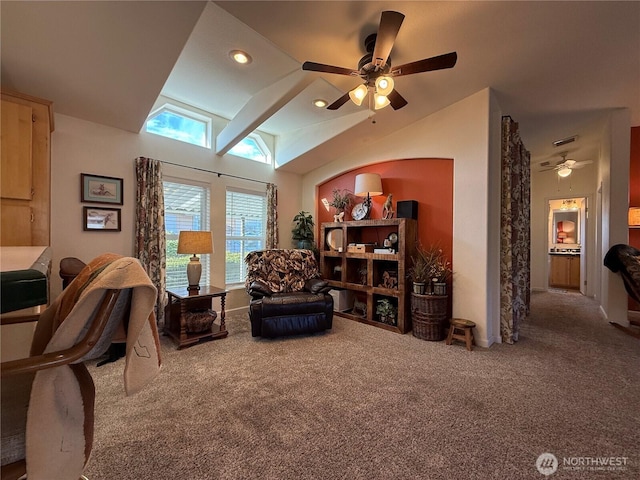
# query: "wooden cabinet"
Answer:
x=25 y=170
x=348 y=261
x=565 y=271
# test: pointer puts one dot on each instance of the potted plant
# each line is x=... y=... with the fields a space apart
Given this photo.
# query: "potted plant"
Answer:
x=419 y=273
x=386 y=311
x=341 y=200
x=431 y=267
x=302 y=231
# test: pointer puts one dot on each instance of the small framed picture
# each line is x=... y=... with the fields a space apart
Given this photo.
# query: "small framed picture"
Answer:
x=98 y=189
x=101 y=219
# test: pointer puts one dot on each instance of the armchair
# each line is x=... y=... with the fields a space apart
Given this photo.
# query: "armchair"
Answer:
x=48 y=398
x=288 y=296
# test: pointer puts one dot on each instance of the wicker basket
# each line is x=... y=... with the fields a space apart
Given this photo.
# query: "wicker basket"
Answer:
x=429 y=304
x=428 y=316
x=428 y=327
x=197 y=321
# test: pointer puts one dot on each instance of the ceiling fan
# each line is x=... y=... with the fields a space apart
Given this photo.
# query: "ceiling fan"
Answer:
x=375 y=67
x=565 y=166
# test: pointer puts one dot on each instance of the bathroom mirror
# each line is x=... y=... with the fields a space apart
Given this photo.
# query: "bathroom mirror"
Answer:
x=566 y=228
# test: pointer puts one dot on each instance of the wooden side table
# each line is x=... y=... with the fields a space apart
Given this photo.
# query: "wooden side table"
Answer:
x=181 y=302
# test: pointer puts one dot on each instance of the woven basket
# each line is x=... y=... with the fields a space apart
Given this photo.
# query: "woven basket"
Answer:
x=429 y=304
x=428 y=327
x=428 y=316
x=197 y=321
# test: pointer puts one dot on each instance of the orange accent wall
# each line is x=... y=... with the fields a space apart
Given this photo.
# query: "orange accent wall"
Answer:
x=427 y=180
x=634 y=194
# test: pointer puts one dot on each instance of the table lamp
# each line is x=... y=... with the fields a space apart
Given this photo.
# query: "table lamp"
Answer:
x=368 y=185
x=194 y=242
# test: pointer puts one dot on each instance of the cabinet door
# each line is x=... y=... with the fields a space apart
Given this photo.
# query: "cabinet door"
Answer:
x=16 y=174
x=15 y=223
x=574 y=272
x=558 y=275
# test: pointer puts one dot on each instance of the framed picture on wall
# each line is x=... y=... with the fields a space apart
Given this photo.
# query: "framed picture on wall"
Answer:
x=101 y=219
x=99 y=189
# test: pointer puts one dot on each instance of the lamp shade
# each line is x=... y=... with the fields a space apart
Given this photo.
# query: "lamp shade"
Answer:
x=357 y=94
x=634 y=216
x=384 y=85
x=194 y=242
x=380 y=101
x=368 y=184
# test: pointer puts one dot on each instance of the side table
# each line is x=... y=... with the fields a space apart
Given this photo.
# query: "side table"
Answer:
x=181 y=302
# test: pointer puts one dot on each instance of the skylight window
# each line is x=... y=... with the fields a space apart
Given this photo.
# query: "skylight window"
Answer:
x=252 y=147
x=180 y=124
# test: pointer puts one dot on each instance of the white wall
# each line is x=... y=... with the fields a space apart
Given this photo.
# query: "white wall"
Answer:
x=463 y=131
x=613 y=176
x=84 y=147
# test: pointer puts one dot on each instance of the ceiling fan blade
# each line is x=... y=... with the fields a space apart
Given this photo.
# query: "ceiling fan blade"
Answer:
x=396 y=100
x=388 y=29
x=338 y=103
x=321 y=67
x=448 y=60
x=582 y=163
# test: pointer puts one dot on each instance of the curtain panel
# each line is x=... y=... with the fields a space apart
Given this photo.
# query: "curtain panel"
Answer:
x=272 y=216
x=515 y=225
x=150 y=242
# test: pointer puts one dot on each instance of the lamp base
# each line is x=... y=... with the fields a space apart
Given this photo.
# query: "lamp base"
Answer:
x=194 y=270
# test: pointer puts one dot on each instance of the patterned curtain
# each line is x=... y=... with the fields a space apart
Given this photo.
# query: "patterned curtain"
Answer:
x=150 y=232
x=272 y=216
x=515 y=223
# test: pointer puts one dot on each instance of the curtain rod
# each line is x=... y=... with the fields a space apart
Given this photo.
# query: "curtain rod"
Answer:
x=217 y=173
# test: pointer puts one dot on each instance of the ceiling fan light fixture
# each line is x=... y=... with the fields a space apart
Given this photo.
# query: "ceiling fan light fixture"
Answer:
x=357 y=94
x=384 y=85
x=380 y=101
x=241 y=57
x=564 y=172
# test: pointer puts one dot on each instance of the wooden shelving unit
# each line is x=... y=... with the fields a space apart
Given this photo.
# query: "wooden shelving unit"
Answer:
x=367 y=275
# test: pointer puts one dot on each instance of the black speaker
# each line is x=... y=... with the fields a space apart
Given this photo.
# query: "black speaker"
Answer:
x=407 y=209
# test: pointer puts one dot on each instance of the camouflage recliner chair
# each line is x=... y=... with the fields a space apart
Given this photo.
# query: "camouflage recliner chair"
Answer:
x=288 y=297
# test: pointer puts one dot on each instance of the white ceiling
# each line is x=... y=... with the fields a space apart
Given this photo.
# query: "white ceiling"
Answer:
x=556 y=67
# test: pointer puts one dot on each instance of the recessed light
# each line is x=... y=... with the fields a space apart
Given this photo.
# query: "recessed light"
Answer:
x=320 y=102
x=240 y=57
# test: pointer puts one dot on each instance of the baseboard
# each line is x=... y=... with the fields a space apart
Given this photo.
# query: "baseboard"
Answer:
x=604 y=314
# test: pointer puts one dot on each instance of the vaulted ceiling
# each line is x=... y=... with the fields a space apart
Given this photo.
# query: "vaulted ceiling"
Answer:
x=556 y=67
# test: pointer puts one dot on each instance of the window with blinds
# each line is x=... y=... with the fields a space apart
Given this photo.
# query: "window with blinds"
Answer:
x=245 y=230
x=186 y=207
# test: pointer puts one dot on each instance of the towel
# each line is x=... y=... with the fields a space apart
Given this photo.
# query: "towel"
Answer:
x=58 y=441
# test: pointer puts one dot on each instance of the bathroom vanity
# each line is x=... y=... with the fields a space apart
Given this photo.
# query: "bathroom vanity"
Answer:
x=564 y=270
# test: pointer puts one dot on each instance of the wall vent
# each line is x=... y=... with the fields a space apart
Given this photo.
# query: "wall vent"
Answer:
x=564 y=141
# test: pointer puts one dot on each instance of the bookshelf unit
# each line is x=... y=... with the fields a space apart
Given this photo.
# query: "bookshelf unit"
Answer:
x=366 y=275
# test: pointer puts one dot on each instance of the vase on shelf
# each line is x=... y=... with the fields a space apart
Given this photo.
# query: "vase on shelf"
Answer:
x=419 y=287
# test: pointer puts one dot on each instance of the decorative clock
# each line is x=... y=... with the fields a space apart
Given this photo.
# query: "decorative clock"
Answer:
x=360 y=211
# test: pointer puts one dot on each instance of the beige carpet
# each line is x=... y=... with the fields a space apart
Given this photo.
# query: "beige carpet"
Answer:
x=359 y=402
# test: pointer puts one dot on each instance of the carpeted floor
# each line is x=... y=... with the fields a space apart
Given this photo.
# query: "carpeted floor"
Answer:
x=359 y=402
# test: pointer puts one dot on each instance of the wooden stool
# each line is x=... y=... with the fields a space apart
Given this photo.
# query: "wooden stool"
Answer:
x=462 y=330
